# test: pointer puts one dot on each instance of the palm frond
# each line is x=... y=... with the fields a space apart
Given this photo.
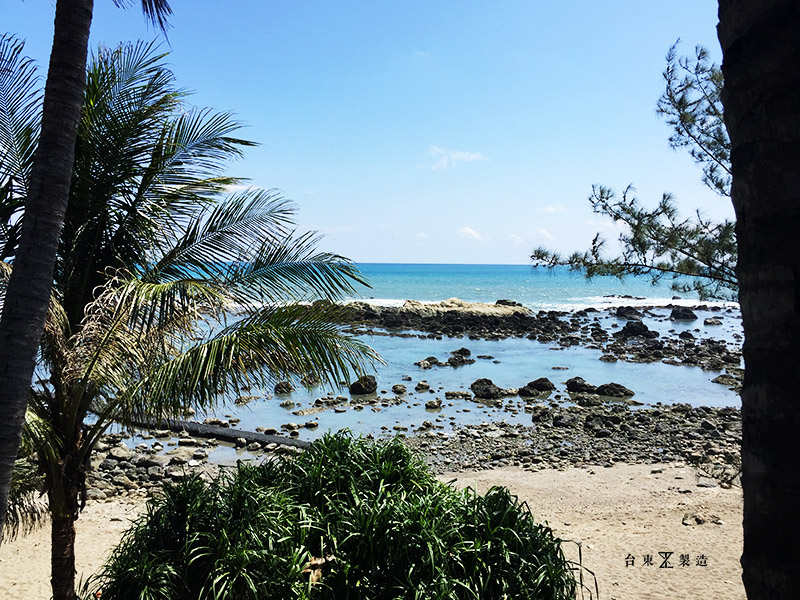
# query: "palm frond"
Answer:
x=20 y=110
x=145 y=167
x=156 y=11
x=20 y=119
x=225 y=233
x=26 y=509
x=292 y=268
x=275 y=343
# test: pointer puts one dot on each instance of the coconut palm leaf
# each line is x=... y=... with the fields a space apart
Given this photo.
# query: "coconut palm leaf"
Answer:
x=26 y=509
x=20 y=111
x=293 y=269
x=156 y=11
x=20 y=118
x=224 y=233
x=145 y=166
x=273 y=344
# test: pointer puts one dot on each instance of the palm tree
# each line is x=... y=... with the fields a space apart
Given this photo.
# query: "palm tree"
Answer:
x=168 y=292
x=760 y=42
x=28 y=293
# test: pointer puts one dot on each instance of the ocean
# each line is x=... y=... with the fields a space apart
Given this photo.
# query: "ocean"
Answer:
x=537 y=288
x=514 y=361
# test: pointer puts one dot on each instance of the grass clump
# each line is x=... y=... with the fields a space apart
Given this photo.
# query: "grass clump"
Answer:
x=349 y=518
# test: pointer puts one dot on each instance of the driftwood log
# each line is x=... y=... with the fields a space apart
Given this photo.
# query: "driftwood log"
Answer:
x=225 y=434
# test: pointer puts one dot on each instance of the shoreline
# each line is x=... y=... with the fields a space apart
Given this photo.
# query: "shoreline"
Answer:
x=550 y=428
x=600 y=303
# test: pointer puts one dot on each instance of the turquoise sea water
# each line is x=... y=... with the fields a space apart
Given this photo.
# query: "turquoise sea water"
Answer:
x=537 y=288
x=515 y=361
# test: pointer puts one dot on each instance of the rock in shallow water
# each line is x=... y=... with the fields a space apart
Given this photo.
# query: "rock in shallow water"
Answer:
x=615 y=390
x=365 y=385
x=579 y=384
x=485 y=388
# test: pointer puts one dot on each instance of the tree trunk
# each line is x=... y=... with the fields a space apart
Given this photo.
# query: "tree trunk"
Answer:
x=760 y=42
x=62 y=557
x=28 y=293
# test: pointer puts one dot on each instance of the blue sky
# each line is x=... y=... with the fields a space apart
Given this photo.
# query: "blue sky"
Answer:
x=433 y=131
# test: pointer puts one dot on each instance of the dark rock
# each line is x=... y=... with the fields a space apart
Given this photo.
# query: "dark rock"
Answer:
x=156 y=460
x=540 y=413
x=537 y=386
x=504 y=302
x=398 y=389
x=686 y=335
x=628 y=312
x=485 y=388
x=422 y=386
x=712 y=321
x=435 y=403
x=586 y=400
x=563 y=421
x=682 y=313
x=636 y=328
x=578 y=384
x=366 y=384
x=460 y=357
x=614 y=390
x=108 y=464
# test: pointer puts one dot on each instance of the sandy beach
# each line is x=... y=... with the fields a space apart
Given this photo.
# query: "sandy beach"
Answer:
x=632 y=511
x=616 y=513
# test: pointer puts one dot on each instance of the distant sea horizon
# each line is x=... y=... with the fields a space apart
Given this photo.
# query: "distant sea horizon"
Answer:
x=539 y=288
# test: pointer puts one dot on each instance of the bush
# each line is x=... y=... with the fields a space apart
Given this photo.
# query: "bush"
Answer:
x=348 y=518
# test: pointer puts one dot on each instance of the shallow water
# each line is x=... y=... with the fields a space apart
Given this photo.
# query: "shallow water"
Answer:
x=515 y=362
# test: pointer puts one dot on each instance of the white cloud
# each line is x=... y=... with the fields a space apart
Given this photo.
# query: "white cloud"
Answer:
x=554 y=208
x=470 y=233
x=515 y=239
x=422 y=236
x=239 y=187
x=446 y=157
x=546 y=234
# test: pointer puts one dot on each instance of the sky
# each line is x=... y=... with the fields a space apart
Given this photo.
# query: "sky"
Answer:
x=432 y=131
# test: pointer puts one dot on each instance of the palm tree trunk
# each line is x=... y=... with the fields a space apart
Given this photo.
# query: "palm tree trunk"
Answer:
x=760 y=42
x=28 y=292
x=62 y=558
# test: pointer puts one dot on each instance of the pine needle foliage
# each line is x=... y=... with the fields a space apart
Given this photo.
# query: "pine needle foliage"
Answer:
x=349 y=518
x=695 y=253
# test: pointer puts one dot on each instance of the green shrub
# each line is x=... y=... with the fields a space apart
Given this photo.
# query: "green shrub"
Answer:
x=348 y=518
